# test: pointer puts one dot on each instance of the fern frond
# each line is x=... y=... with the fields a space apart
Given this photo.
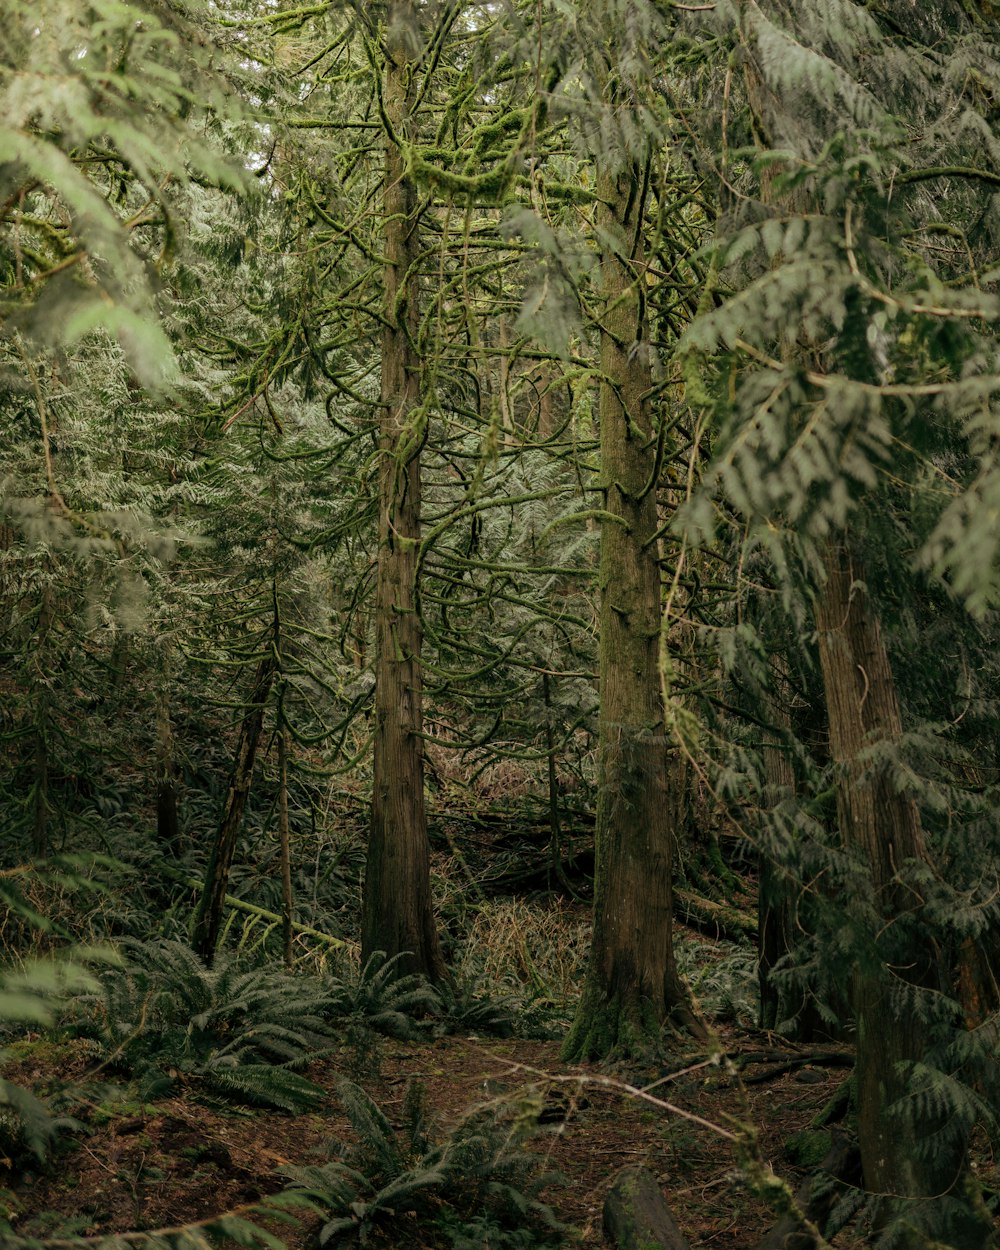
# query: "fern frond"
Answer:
x=34 y=1123
x=226 y=1024
x=378 y=1146
x=265 y=1085
x=382 y=999
x=240 y=1225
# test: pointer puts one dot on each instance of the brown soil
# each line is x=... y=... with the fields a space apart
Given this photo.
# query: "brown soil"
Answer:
x=185 y=1159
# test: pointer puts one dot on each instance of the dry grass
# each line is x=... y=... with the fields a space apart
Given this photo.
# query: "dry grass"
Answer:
x=516 y=946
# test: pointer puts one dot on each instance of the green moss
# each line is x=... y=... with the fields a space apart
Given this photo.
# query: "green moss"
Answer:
x=613 y=1029
x=126 y=1109
x=808 y=1149
x=487 y=186
x=41 y=1050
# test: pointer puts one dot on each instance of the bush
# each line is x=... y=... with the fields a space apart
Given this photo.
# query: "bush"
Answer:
x=478 y=1182
x=240 y=1030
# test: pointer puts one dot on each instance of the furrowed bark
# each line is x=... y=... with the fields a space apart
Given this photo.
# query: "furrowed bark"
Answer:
x=398 y=916
x=882 y=825
x=632 y=986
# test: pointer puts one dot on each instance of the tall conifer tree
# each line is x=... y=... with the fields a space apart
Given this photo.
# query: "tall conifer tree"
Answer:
x=398 y=913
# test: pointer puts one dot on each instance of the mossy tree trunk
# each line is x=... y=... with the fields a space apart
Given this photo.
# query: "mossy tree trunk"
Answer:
x=882 y=827
x=398 y=916
x=632 y=987
x=208 y=922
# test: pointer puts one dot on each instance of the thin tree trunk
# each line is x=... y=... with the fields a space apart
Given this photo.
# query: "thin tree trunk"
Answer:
x=167 y=825
x=632 y=987
x=398 y=915
x=883 y=827
x=208 y=923
x=556 y=869
x=40 y=785
x=287 y=898
x=774 y=900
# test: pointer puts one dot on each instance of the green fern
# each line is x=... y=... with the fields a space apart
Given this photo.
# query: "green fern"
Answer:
x=724 y=980
x=482 y=1232
x=380 y=1155
x=238 y=1029
x=26 y=1123
x=378 y=998
x=242 y=1226
x=267 y=1085
x=481 y=1172
x=488 y=1167
x=33 y=993
x=466 y=1009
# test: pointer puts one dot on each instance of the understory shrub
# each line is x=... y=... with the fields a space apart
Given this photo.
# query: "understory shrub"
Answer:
x=376 y=999
x=467 y=1008
x=480 y=1182
x=32 y=989
x=239 y=1030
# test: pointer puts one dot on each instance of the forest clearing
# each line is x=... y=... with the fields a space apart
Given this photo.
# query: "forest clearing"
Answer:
x=499 y=559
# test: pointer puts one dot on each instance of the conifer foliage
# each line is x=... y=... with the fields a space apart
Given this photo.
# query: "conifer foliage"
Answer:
x=855 y=335
x=599 y=398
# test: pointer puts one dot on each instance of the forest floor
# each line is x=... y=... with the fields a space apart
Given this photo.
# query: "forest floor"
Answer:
x=183 y=1158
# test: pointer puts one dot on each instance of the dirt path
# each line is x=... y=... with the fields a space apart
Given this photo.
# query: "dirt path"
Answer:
x=181 y=1158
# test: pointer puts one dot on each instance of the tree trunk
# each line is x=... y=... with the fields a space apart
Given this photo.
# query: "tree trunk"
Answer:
x=398 y=914
x=557 y=873
x=167 y=825
x=40 y=783
x=632 y=986
x=213 y=900
x=775 y=901
x=883 y=828
x=287 y=898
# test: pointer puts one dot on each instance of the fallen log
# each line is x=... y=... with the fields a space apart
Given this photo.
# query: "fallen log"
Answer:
x=821 y=1058
x=250 y=909
x=714 y=919
x=636 y=1215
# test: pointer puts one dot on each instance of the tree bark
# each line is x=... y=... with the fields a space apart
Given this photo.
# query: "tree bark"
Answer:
x=40 y=782
x=775 y=901
x=398 y=915
x=882 y=827
x=632 y=985
x=167 y=825
x=284 y=839
x=213 y=900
